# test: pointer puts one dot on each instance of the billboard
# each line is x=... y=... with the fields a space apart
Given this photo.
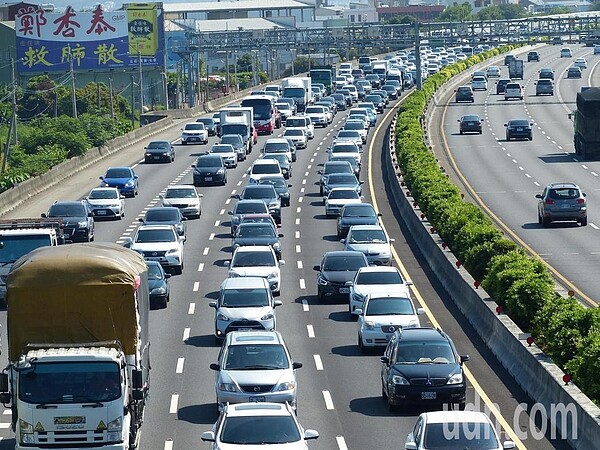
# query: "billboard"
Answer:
x=96 y=40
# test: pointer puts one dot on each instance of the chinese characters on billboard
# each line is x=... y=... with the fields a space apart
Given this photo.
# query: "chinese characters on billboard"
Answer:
x=97 y=40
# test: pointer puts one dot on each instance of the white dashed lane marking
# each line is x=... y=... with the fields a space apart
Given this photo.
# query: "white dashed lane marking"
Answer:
x=174 y=403
x=310 y=330
x=186 y=334
x=192 y=308
x=318 y=362
x=328 y=400
x=179 y=368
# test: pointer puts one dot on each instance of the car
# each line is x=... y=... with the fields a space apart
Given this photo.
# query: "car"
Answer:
x=281 y=187
x=257 y=261
x=360 y=214
x=246 y=207
x=330 y=168
x=470 y=429
x=546 y=73
x=290 y=101
x=347 y=96
x=266 y=193
x=273 y=88
x=209 y=124
x=371 y=240
x=239 y=147
x=123 y=178
x=391 y=91
x=106 y=202
x=421 y=366
x=159 y=151
x=492 y=71
x=337 y=268
x=376 y=100
x=352 y=89
x=297 y=136
x=349 y=136
x=573 y=72
x=303 y=122
x=209 y=169
x=246 y=425
x=346 y=149
x=356 y=166
x=285 y=163
x=512 y=91
x=508 y=58
x=227 y=154
x=243 y=304
x=374 y=79
x=581 y=63
x=159 y=243
x=280 y=145
x=318 y=115
x=501 y=85
x=479 y=83
x=375 y=281
x=562 y=202
x=396 y=83
x=158 y=284
x=263 y=167
x=566 y=52
x=381 y=315
x=533 y=56
x=544 y=87
x=338 y=197
x=369 y=110
x=185 y=197
x=216 y=117
x=341 y=180
x=479 y=73
x=259 y=218
x=470 y=123
x=464 y=94
x=165 y=215
x=596 y=49
x=77 y=219
x=359 y=125
x=328 y=110
x=519 y=129
x=258 y=233
x=194 y=132
x=340 y=101
x=285 y=110
x=383 y=94
x=556 y=40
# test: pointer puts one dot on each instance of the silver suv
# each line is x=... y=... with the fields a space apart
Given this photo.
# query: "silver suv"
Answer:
x=255 y=366
x=244 y=304
x=544 y=86
x=561 y=202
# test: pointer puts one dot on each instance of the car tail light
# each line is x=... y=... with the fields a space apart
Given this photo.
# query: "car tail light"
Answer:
x=549 y=201
x=580 y=201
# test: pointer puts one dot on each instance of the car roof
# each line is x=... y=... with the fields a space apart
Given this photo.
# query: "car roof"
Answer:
x=103 y=188
x=245 y=282
x=257 y=409
x=156 y=227
x=263 y=161
x=342 y=253
x=68 y=202
x=378 y=269
x=254 y=248
x=423 y=334
x=563 y=185
x=249 y=200
x=365 y=227
x=455 y=417
x=277 y=140
x=181 y=186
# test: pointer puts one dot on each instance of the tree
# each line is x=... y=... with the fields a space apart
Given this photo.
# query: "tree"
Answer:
x=456 y=13
x=244 y=63
x=402 y=20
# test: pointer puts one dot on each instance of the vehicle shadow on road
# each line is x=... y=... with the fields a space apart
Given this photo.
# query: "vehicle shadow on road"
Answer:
x=377 y=407
x=340 y=316
x=353 y=350
x=551 y=158
x=199 y=414
x=202 y=341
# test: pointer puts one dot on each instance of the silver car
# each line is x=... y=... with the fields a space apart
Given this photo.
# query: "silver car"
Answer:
x=338 y=197
x=106 y=202
x=227 y=154
x=560 y=202
x=372 y=241
x=244 y=304
x=185 y=197
x=255 y=366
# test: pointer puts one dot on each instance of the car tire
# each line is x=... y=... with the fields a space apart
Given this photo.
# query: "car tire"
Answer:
x=530 y=138
x=461 y=132
x=583 y=222
x=183 y=143
x=545 y=222
x=361 y=347
x=320 y=297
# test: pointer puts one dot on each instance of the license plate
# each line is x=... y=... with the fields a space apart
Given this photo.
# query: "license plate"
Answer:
x=208 y=178
x=101 y=212
x=157 y=157
x=565 y=206
x=153 y=258
x=471 y=124
x=519 y=129
x=428 y=395
x=257 y=399
x=344 y=290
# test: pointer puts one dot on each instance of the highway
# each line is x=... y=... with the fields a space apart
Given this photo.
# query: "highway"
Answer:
x=339 y=389
x=506 y=176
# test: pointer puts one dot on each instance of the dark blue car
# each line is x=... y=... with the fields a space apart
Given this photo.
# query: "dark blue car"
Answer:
x=123 y=178
x=158 y=285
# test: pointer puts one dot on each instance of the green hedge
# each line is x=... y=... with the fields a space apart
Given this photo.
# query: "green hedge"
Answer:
x=522 y=285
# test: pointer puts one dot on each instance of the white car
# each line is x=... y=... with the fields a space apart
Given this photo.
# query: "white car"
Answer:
x=566 y=52
x=349 y=136
x=470 y=429
x=581 y=63
x=493 y=71
x=374 y=281
x=359 y=125
x=479 y=84
x=297 y=136
x=353 y=92
x=513 y=90
x=318 y=115
x=257 y=261
x=345 y=148
x=194 y=132
x=381 y=316
x=106 y=202
x=372 y=241
x=337 y=198
x=262 y=168
x=185 y=197
x=251 y=425
x=159 y=243
x=227 y=154
x=303 y=122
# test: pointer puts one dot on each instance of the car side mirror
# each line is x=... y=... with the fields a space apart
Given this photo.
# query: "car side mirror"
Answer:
x=282 y=262
x=227 y=263
x=167 y=276
x=379 y=215
x=508 y=444
x=464 y=358
x=208 y=436
x=420 y=311
x=317 y=268
x=584 y=194
x=128 y=242
x=121 y=197
x=343 y=241
x=230 y=213
x=101 y=178
x=277 y=303
x=538 y=196
x=384 y=359
x=280 y=235
x=213 y=304
x=358 y=311
x=410 y=445
x=141 y=219
x=505 y=124
x=392 y=240
x=297 y=365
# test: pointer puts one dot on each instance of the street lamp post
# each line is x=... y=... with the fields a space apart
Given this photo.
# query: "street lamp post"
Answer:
x=235 y=76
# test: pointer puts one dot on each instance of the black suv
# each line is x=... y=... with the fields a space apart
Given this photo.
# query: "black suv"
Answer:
x=77 y=218
x=209 y=169
x=422 y=366
x=464 y=94
x=533 y=56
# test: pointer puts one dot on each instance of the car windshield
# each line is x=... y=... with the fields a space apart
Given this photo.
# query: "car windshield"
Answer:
x=519 y=123
x=358 y=211
x=232 y=139
x=424 y=352
x=341 y=178
x=471 y=118
x=258 y=192
x=293 y=122
x=163 y=215
x=293 y=133
x=336 y=168
x=209 y=162
x=118 y=173
x=181 y=193
x=349 y=159
x=346 y=194
x=206 y=121
x=159 y=145
x=256 y=357
x=244 y=298
x=275 y=147
x=96 y=194
x=354 y=126
x=343 y=263
x=253 y=259
x=195 y=126
x=375 y=278
x=261 y=169
x=450 y=436
x=563 y=193
x=250 y=207
x=67 y=211
x=346 y=148
x=282 y=158
x=245 y=231
x=259 y=430
x=366 y=236
x=275 y=182
x=149 y=236
x=155 y=272
x=389 y=306
x=224 y=148
x=348 y=134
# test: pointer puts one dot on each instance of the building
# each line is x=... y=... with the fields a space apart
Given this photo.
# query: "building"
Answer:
x=424 y=13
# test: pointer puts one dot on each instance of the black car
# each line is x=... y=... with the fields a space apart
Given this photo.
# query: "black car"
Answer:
x=281 y=187
x=336 y=269
x=257 y=233
x=574 y=72
x=161 y=215
x=501 y=85
x=209 y=169
x=77 y=219
x=421 y=366
x=518 y=129
x=209 y=124
x=470 y=123
x=464 y=94
x=237 y=142
x=544 y=86
x=243 y=208
x=266 y=193
x=391 y=90
x=356 y=214
x=382 y=93
x=340 y=101
x=374 y=79
x=546 y=72
x=377 y=100
x=159 y=151
x=508 y=58
x=284 y=163
x=158 y=285
x=533 y=56
x=332 y=167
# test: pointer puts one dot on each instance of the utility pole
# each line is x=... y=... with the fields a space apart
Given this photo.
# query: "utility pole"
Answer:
x=112 y=102
x=166 y=88
x=235 y=76
x=132 y=102
x=14 y=102
x=227 y=83
x=140 y=82
x=73 y=95
x=419 y=80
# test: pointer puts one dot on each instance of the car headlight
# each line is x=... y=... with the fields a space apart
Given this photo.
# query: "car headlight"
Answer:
x=115 y=430
x=268 y=316
x=227 y=387
x=369 y=324
x=26 y=432
x=130 y=183
x=276 y=246
x=272 y=276
x=322 y=281
x=172 y=251
x=159 y=290
x=82 y=224
x=286 y=386
x=147 y=155
x=222 y=317
x=399 y=380
x=456 y=378
x=220 y=171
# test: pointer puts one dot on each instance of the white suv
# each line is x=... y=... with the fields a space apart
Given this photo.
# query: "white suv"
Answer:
x=318 y=115
x=303 y=122
x=257 y=261
x=376 y=280
x=159 y=243
x=194 y=132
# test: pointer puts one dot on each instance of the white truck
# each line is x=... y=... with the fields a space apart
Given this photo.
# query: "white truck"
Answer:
x=381 y=67
x=20 y=236
x=78 y=347
x=238 y=121
x=298 y=88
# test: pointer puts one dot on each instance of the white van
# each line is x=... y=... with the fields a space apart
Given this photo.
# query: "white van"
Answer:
x=263 y=168
x=303 y=122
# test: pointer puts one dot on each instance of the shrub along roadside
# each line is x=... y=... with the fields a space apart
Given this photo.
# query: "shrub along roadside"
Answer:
x=522 y=285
